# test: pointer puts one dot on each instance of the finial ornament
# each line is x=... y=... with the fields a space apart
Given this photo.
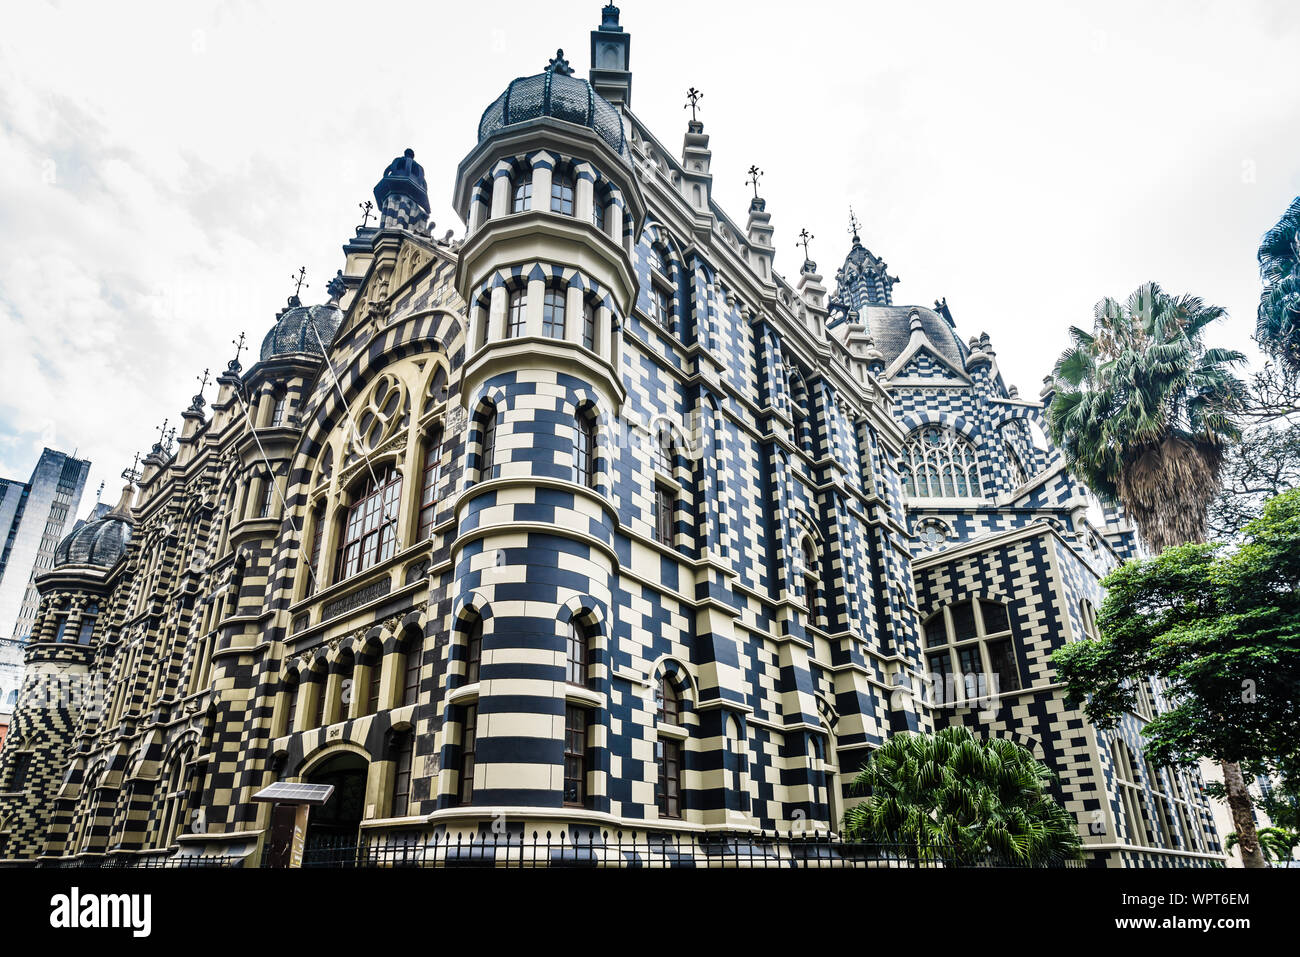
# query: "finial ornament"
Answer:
x=336 y=287
x=693 y=97
x=99 y=494
x=366 y=212
x=805 y=238
x=132 y=474
x=558 y=64
x=233 y=365
x=853 y=225
x=755 y=174
x=300 y=277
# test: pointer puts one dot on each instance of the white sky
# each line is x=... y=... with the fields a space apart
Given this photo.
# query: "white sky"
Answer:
x=164 y=167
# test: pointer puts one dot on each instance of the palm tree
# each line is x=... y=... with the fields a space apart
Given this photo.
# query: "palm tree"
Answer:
x=1143 y=413
x=1275 y=843
x=1277 y=326
x=1144 y=410
x=951 y=794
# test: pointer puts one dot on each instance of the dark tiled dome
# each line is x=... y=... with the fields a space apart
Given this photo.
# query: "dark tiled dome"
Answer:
x=559 y=94
x=99 y=543
x=292 y=333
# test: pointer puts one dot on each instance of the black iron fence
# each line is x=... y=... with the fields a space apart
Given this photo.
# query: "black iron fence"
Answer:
x=589 y=849
x=631 y=849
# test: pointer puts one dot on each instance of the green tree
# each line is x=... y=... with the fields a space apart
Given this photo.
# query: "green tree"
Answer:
x=1144 y=410
x=950 y=792
x=1222 y=627
x=1277 y=326
x=1275 y=843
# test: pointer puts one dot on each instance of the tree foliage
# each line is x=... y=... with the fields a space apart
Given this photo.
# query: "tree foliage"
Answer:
x=1277 y=326
x=1221 y=627
x=953 y=792
x=1144 y=410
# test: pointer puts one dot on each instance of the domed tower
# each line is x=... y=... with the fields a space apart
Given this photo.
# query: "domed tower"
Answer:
x=60 y=697
x=552 y=210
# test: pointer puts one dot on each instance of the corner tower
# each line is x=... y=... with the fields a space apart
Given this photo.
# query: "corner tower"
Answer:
x=552 y=211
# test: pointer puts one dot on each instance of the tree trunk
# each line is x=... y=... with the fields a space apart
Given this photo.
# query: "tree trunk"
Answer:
x=1243 y=817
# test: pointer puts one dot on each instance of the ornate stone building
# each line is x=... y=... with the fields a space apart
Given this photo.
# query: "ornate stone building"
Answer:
x=588 y=521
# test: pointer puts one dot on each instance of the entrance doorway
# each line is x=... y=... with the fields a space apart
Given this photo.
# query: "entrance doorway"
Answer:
x=334 y=827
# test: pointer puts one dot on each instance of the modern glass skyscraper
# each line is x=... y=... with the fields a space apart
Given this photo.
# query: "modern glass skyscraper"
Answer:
x=34 y=517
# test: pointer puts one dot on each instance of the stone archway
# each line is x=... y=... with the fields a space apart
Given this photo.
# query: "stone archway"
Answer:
x=334 y=827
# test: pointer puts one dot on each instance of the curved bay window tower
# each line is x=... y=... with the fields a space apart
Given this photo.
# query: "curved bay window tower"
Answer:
x=552 y=210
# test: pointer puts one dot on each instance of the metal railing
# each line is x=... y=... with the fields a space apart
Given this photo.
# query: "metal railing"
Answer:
x=634 y=849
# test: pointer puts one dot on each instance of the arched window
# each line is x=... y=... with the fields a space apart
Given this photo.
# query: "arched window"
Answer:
x=291 y=692
x=320 y=683
x=521 y=190
x=430 y=474
x=668 y=751
x=1088 y=615
x=553 y=313
x=411 y=685
x=809 y=568
x=575 y=663
x=473 y=651
x=487 y=441
x=87 y=623
x=589 y=325
x=60 y=626
x=584 y=448
x=939 y=463
x=562 y=190
x=370 y=529
x=278 y=403
x=598 y=202
x=374 y=654
x=347 y=670
x=517 y=313
x=401 y=749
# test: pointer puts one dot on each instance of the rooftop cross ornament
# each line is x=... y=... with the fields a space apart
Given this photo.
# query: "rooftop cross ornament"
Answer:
x=693 y=97
x=754 y=175
x=204 y=380
x=805 y=238
x=162 y=434
x=366 y=213
x=301 y=279
x=853 y=225
x=132 y=474
x=233 y=365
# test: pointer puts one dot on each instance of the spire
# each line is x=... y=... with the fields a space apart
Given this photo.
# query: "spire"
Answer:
x=611 y=69
x=403 y=195
x=863 y=280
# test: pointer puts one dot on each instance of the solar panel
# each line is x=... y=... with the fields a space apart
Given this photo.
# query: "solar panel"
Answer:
x=287 y=792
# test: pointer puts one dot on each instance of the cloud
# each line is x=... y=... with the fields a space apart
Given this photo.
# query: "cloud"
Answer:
x=162 y=174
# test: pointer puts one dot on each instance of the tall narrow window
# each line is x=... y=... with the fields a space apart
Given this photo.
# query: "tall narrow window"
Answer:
x=376 y=681
x=553 y=314
x=668 y=757
x=264 y=504
x=468 y=740
x=292 y=690
x=562 y=190
x=667 y=705
x=665 y=506
x=523 y=191
x=371 y=528
x=474 y=651
x=277 y=411
x=487 y=452
x=402 y=747
x=661 y=306
x=316 y=573
x=589 y=326
x=598 y=212
x=87 y=624
x=18 y=770
x=584 y=449
x=517 y=313
x=347 y=671
x=322 y=683
x=430 y=475
x=411 y=688
x=575 y=755
x=575 y=668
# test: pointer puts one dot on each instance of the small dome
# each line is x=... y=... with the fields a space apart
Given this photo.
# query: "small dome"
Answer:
x=559 y=94
x=292 y=333
x=100 y=543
